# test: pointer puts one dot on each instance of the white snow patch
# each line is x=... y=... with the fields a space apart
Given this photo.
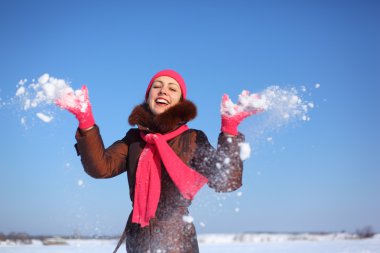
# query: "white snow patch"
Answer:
x=224 y=243
x=43 y=79
x=80 y=183
x=187 y=218
x=227 y=160
x=20 y=91
x=22 y=82
x=246 y=102
x=245 y=150
x=44 y=117
x=256 y=238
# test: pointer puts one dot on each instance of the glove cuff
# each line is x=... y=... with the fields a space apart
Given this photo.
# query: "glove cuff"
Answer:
x=87 y=121
x=229 y=126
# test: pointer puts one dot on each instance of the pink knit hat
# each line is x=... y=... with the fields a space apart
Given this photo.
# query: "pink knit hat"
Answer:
x=170 y=73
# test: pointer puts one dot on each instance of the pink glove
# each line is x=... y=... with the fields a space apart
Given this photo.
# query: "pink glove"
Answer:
x=234 y=114
x=78 y=104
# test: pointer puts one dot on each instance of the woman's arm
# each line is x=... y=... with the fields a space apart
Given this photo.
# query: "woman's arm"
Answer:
x=222 y=166
x=97 y=161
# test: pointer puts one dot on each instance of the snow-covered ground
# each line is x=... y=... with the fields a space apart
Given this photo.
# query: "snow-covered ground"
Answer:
x=227 y=243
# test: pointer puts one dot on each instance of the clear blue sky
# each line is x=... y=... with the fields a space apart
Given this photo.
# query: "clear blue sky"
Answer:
x=322 y=175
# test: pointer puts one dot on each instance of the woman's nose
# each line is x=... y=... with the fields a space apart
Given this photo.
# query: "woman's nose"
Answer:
x=163 y=90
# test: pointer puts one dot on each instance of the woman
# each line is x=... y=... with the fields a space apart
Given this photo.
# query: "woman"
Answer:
x=166 y=162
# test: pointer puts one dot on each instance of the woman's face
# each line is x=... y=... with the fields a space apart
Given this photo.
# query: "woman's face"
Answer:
x=164 y=93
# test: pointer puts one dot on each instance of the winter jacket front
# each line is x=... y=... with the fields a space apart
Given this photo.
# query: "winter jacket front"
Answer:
x=171 y=230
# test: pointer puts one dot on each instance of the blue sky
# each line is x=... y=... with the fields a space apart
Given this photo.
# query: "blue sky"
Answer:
x=321 y=175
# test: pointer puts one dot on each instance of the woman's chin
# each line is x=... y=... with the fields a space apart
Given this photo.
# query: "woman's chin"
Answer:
x=158 y=110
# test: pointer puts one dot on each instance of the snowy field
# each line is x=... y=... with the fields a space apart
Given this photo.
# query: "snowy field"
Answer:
x=221 y=244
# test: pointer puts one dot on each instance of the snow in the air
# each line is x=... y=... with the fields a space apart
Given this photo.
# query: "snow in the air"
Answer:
x=274 y=107
x=44 y=92
x=246 y=102
x=80 y=183
x=44 y=117
x=245 y=150
x=187 y=218
x=280 y=104
x=284 y=101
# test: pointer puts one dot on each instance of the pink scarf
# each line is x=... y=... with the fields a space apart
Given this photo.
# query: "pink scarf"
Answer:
x=148 y=175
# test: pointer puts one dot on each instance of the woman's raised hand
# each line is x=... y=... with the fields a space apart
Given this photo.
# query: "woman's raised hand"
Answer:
x=78 y=103
x=233 y=114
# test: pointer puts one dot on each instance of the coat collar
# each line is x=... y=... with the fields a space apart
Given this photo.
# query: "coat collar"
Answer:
x=165 y=122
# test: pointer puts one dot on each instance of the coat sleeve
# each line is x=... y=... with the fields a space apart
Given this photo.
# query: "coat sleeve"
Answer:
x=222 y=166
x=97 y=161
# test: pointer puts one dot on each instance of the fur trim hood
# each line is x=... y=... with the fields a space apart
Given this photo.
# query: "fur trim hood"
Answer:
x=167 y=121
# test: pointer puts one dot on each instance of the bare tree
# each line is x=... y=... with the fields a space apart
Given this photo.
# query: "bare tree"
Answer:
x=365 y=232
x=23 y=238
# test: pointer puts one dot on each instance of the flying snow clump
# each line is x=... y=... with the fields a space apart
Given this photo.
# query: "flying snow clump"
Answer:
x=245 y=150
x=187 y=218
x=40 y=94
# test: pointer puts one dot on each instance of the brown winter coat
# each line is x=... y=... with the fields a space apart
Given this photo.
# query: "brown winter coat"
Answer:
x=168 y=232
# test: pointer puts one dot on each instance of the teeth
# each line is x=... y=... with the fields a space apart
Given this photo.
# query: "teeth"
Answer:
x=162 y=101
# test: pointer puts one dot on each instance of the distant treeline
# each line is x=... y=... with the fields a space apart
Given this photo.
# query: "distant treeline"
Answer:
x=25 y=238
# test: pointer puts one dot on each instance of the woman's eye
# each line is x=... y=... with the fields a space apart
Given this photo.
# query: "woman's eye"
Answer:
x=173 y=89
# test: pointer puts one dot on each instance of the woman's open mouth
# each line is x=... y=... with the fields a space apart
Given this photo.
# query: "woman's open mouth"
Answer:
x=161 y=101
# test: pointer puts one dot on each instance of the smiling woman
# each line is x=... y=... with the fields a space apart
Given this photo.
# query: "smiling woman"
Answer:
x=166 y=162
x=164 y=93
